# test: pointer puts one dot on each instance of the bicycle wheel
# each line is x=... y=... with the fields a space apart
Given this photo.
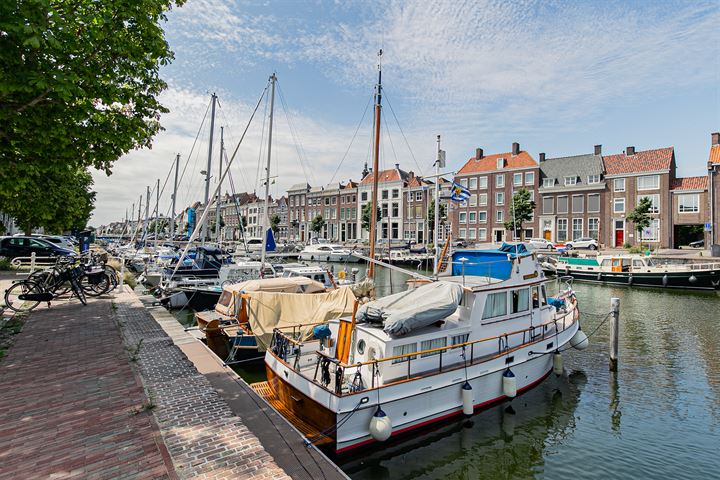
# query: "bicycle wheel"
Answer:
x=95 y=284
x=113 y=275
x=12 y=294
x=78 y=291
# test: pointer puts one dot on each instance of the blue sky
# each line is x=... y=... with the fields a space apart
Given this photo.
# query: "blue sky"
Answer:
x=558 y=77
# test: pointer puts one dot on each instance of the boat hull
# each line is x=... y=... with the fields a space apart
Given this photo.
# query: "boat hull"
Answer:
x=701 y=280
x=201 y=300
x=332 y=257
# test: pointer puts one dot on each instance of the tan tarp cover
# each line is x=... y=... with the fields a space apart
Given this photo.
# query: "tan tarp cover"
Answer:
x=229 y=300
x=268 y=310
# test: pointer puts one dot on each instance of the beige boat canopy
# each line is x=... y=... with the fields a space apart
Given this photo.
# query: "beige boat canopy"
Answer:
x=229 y=301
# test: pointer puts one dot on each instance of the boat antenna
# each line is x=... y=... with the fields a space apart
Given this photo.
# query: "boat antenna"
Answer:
x=376 y=167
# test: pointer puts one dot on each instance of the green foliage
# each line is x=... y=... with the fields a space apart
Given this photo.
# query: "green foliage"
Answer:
x=317 y=224
x=641 y=216
x=431 y=215
x=627 y=245
x=78 y=89
x=521 y=211
x=275 y=223
x=365 y=216
x=5 y=264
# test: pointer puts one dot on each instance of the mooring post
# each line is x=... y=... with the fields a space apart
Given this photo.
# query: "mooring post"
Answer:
x=614 y=333
x=122 y=272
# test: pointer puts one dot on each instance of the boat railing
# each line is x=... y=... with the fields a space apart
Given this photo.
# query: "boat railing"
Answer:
x=471 y=353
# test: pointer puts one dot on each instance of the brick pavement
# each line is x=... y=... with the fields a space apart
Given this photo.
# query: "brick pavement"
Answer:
x=71 y=404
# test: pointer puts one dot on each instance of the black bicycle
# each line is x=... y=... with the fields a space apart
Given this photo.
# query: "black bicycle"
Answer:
x=25 y=295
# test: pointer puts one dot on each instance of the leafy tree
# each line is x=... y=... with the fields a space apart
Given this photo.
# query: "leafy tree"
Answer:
x=641 y=216
x=365 y=216
x=275 y=223
x=521 y=211
x=78 y=89
x=61 y=202
x=431 y=217
x=317 y=224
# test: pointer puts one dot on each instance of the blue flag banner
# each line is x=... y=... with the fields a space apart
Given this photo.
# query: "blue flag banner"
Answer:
x=270 y=242
x=458 y=193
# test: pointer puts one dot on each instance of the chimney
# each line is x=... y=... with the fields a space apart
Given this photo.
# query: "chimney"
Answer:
x=397 y=166
x=542 y=156
x=630 y=151
x=598 y=150
x=478 y=153
x=715 y=139
x=516 y=148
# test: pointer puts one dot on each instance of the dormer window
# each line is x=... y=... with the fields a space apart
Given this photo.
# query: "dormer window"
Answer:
x=593 y=179
x=570 y=181
x=548 y=182
x=500 y=162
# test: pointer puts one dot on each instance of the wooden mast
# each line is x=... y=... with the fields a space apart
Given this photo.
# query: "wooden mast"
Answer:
x=375 y=171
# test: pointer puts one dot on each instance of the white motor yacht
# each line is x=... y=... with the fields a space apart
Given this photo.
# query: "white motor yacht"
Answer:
x=328 y=252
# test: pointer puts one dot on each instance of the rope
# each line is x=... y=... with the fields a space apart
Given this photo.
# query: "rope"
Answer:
x=353 y=139
x=420 y=170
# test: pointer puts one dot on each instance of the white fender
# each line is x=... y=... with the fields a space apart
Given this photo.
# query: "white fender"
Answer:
x=579 y=341
x=380 y=426
x=509 y=383
x=467 y=400
x=557 y=363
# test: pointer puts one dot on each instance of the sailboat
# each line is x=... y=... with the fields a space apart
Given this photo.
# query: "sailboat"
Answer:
x=482 y=330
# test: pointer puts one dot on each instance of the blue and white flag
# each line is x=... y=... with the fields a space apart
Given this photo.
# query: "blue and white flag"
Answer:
x=458 y=193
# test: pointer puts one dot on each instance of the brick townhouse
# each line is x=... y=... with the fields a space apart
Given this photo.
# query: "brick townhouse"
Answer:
x=572 y=197
x=391 y=185
x=492 y=181
x=690 y=208
x=631 y=176
x=348 y=227
x=297 y=212
x=713 y=166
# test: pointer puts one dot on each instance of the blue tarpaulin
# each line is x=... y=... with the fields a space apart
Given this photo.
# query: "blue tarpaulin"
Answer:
x=482 y=263
x=516 y=249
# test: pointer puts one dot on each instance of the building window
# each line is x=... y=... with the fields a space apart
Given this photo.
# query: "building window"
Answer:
x=619 y=185
x=482 y=199
x=473 y=184
x=652 y=233
x=594 y=228
x=529 y=178
x=463 y=182
x=500 y=180
x=499 y=198
x=495 y=305
x=499 y=215
x=548 y=182
x=482 y=182
x=648 y=182
x=461 y=232
x=570 y=181
x=562 y=204
x=578 y=204
x=500 y=163
x=577 y=228
x=383 y=210
x=395 y=210
x=689 y=203
x=384 y=194
x=473 y=200
x=431 y=344
x=471 y=234
x=418 y=196
x=562 y=229
x=462 y=217
x=395 y=193
x=404 y=350
x=547 y=203
x=482 y=234
x=472 y=217
x=411 y=195
x=619 y=205
x=592 y=179
x=395 y=231
x=363 y=196
x=482 y=217
x=655 y=199
x=517 y=179
x=593 y=203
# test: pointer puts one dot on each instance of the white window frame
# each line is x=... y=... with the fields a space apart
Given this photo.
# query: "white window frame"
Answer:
x=500 y=163
x=552 y=206
x=582 y=203
x=598 y=202
x=472 y=217
x=482 y=199
x=655 y=198
x=616 y=202
x=517 y=179
x=548 y=182
x=621 y=182
x=499 y=198
x=597 y=230
x=499 y=216
x=482 y=233
x=462 y=217
x=593 y=179
x=557 y=204
x=472 y=185
x=570 y=181
x=654 y=228
x=682 y=208
x=640 y=180
x=482 y=183
x=500 y=180
x=480 y=214
x=558 y=223
x=529 y=178
x=577 y=221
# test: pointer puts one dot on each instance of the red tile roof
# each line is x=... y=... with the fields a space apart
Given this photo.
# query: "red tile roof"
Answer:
x=390 y=175
x=714 y=155
x=689 y=183
x=489 y=162
x=645 y=161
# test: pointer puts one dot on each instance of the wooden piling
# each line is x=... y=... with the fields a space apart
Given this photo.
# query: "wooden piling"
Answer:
x=614 y=333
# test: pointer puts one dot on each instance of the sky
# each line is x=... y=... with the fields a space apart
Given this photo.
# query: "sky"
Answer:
x=557 y=77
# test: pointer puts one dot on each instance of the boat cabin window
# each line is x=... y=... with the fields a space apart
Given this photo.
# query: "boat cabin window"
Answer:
x=361 y=347
x=458 y=339
x=495 y=305
x=224 y=299
x=543 y=296
x=319 y=277
x=520 y=300
x=403 y=350
x=606 y=262
x=535 y=297
x=638 y=262
x=430 y=344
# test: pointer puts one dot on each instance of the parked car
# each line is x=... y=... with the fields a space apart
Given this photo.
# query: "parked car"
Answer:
x=459 y=242
x=583 y=242
x=63 y=242
x=541 y=243
x=12 y=247
x=697 y=244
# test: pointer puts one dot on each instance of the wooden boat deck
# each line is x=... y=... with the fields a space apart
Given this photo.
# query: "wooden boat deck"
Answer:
x=263 y=389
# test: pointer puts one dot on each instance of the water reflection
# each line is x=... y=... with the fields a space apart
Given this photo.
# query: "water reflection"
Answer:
x=507 y=440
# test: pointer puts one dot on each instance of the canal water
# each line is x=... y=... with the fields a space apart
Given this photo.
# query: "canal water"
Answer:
x=657 y=417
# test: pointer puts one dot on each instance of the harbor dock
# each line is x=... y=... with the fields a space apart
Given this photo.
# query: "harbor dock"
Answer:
x=117 y=390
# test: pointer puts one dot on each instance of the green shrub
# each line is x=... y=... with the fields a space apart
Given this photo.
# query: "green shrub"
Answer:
x=627 y=245
x=5 y=264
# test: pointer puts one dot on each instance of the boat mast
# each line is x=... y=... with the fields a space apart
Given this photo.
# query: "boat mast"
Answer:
x=204 y=232
x=375 y=173
x=157 y=211
x=436 y=236
x=147 y=214
x=217 y=198
x=174 y=195
x=265 y=219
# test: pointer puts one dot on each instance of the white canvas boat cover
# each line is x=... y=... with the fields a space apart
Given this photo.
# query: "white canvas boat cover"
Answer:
x=229 y=300
x=269 y=310
x=416 y=308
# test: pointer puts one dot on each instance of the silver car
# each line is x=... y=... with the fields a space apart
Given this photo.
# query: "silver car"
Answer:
x=540 y=244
